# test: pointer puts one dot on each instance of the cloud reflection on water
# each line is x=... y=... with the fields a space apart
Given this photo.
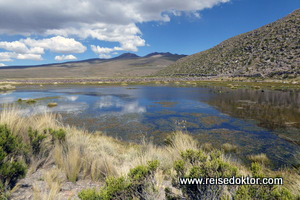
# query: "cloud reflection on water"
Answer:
x=111 y=102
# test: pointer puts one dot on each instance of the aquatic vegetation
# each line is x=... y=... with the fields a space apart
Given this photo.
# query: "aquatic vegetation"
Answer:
x=52 y=104
x=30 y=101
x=166 y=104
x=208 y=121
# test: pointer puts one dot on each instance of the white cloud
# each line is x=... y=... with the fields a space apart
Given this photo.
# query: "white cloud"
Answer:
x=19 y=47
x=101 y=50
x=2 y=65
x=9 y=56
x=5 y=56
x=31 y=49
x=28 y=56
x=104 y=56
x=113 y=21
x=57 y=44
x=65 y=57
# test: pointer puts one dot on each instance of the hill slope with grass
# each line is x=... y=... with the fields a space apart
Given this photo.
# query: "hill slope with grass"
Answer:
x=270 y=51
x=125 y=65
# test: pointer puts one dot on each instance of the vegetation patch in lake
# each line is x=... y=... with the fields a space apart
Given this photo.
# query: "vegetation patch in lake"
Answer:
x=166 y=104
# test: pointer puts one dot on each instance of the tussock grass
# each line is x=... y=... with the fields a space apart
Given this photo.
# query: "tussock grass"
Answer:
x=228 y=148
x=19 y=124
x=54 y=179
x=260 y=158
x=207 y=147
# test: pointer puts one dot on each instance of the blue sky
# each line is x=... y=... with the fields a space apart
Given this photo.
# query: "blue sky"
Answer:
x=52 y=31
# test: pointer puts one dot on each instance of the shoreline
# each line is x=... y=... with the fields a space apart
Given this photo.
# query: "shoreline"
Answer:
x=233 y=83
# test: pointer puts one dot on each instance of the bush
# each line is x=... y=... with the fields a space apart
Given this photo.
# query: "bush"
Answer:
x=36 y=140
x=262 y=191
x=57 y=135
x=11 y=169
x=136 y=185
x=197 y=164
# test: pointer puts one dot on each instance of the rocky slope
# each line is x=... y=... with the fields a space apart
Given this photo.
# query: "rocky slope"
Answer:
x=270 y=51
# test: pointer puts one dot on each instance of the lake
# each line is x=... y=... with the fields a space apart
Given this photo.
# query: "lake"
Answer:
x=257 y=121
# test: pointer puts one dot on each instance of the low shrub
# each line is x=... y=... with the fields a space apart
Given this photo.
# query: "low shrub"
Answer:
x=196 y=164
x=57 y=135
x=11 y=167
x=262 y=191
x=136 y=185
x=36 y=140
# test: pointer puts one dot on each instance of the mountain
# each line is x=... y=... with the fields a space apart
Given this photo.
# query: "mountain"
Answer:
x=159 y=54
x=125 y=65
x=270 y=51
x=126 y=56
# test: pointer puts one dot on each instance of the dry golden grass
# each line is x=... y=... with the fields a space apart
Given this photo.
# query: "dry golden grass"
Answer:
x=260 y=158
x=229 y=148
x=54 y=179
x=19 y=124
x=207 y=147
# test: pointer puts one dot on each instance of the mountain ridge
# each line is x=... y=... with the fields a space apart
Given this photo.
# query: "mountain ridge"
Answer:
x=92 y=60
x=125 y=65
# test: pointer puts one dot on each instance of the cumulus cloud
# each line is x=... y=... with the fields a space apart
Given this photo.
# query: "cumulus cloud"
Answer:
x=28 y=56
x=2 y=65
x=31 y=49
x=101 y=50
x=9 y=56
x=57 y=44
x=113 y=21
x=65 y=57
x=5 y=56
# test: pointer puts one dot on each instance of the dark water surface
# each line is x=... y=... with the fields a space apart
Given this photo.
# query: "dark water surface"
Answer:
x=254 y=120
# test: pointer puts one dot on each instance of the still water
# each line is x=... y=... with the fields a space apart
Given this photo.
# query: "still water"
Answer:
x=254 y=120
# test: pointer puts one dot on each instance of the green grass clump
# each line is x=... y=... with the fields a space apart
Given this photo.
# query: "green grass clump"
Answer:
x=135 y=186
